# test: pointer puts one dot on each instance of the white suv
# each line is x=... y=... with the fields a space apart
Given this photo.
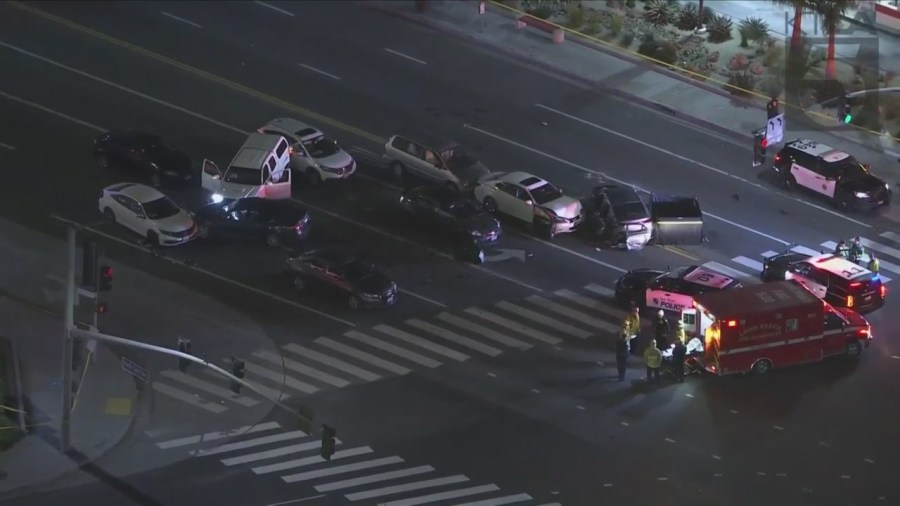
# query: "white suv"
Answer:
x=313 y=153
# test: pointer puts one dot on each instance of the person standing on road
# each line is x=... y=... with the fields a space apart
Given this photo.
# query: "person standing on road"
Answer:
x=661 y=329
x=631 y=326
x=678 y=355
x=873 y=263
x=653 y=358
x=622 y=355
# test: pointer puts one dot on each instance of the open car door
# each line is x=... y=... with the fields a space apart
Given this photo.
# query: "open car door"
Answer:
x=211 y=177
x=276 y=184
x=676 y=220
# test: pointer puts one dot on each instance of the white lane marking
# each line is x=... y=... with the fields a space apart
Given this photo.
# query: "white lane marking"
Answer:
x=890 y=236
x=769 y=254
x=535 y=390
x=308 y=461
x=280 y=378
x=281 y=361
x=51 y=111
x=190 y=399
x=728 y=271
x=484 y=331
x=392 y=348
x=365 y=480
x=748 y=262
x=716 y=457
x=210 y=274
x=670 y=440
x=544 y=320
x=695 y=162
x=274 y=8
x=454 y=337
x=615 y=180
x=250 y=443
x=777 y=427
x=423 y=298
x=281 y=451
x=346 y=468
x=441 y=496
x=214 y=436
x=580 y=407
x=422 y=343
x=500 y=501
x=407 y=487
x=176 y=18
x=294 y=501
x=7 y=146
x=361 y=355
x=319 y=71
x=600 y=290
x=624 y=424
x=524 y=329
x=209 y=388
x=340 y=365
x=408 y=57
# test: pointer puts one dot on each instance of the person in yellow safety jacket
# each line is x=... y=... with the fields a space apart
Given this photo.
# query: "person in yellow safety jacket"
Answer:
x=631 y=326
x=679 y=332
x=653 y=358
x=873 y=263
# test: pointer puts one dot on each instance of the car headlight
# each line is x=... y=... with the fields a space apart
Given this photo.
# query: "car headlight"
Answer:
x=887 y=187
x=217 y=198
x=861 y=195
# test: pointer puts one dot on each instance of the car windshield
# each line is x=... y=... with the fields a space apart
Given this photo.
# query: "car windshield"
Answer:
x=545 y=193
x=359 y=269
x=848 y=167
x=242 y=175
x=465 y=209
x=456 y=158
x=161 y=208
x=321 y=146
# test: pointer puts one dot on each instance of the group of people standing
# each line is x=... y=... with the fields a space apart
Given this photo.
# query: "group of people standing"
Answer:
x=653 y=354
x=854 y=252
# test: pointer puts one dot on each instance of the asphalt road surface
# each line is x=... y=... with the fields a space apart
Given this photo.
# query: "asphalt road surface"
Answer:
x=529 y=411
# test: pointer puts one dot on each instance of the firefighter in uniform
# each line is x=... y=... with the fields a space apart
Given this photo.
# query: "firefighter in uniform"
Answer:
x=631 y=326
x=856 y=250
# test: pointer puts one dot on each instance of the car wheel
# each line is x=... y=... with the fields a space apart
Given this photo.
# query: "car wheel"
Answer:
x=761 y=367
x=398 y=169
x=273 y=240
x=354 y=302
x=854 y=349
x=109 y=215
x=490 y=205
x=103 y=161
x=153 y=238
x=203 y=231
x=155 y=180
x=313 y=177
x=298 y=282
x=790 y=184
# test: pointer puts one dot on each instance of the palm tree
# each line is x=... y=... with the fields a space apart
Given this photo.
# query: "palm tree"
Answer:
x=796 y=31
x=831 y=11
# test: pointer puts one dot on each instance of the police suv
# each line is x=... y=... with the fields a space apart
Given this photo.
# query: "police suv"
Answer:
x=832 y=173
x=839 y=281
x=672 y=290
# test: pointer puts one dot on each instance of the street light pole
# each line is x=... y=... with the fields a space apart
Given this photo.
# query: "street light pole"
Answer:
x=68 y=323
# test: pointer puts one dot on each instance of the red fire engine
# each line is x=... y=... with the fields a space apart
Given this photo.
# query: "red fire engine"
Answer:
x=758 y=327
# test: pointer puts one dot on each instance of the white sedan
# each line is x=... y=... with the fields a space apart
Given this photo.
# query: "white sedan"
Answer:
x=147 y=212
x=530 y=199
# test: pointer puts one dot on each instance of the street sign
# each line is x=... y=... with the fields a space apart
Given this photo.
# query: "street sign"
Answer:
x=775 y=129
x=131 y=367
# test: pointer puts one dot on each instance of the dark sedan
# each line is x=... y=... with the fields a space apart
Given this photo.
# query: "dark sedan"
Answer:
x=457 y=215
x=343 y=274
x=144 y=155
x=776 y=266
x=276 y=221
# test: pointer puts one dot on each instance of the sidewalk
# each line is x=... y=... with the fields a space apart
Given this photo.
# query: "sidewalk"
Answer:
x=706 y=104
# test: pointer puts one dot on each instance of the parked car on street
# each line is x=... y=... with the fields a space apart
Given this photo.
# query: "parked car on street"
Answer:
x=148 y=213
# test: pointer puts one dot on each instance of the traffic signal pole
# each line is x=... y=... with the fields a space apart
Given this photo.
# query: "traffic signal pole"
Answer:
x=68 y=325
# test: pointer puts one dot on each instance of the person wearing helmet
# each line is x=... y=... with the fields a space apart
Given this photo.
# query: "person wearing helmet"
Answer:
x=840 y=249
x=856 y=250
x=661 y=330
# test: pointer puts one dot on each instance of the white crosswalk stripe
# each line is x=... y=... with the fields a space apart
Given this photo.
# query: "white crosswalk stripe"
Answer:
x=303 y=369
x=368 y=478
x=748 y=262
x=535 y=317
x=361 y=355
x=730 y=272
x=332 y=362
x=454 y=337
x=424 y=343
x=391 y=348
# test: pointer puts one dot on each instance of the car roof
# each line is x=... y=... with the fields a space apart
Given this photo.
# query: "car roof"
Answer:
x=706 y=277
x=294 y=127
x=427 y=138
x=140 y=192
x=332 y=254
x=765 y=298
x=837 y=266
x=817 y=149
x=519 y=178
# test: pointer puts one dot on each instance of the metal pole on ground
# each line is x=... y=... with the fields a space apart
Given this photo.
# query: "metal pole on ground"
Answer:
x=68 y=323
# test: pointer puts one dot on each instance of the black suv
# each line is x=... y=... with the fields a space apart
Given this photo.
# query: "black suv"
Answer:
x=832 y=173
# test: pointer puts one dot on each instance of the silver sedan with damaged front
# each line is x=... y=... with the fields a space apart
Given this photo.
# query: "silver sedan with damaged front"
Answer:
x=537 y=202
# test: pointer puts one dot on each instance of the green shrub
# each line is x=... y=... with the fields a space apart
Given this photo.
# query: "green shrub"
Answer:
x=741 y=83
x=541 y=11
x=594 y=23
x=630 y=4
x=755 y=30
x=719 y=29
x=660 y=12
x=627 y=39
x=576 y=18
x=659 y=50
x=688 y=17
x=616 y=23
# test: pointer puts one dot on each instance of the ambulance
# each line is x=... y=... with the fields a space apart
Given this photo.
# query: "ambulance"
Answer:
x=771 y=325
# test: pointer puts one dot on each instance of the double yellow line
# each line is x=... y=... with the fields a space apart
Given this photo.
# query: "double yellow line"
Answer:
x=199 y=73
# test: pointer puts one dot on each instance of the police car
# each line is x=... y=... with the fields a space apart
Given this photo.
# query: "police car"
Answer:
x=831 y=173
x=671 y=290
x=835 y=279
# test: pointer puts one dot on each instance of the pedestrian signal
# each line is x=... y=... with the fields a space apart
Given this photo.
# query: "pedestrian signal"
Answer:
x=328 y=441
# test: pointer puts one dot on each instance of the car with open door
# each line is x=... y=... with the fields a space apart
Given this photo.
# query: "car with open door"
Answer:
x=332 y=271
x=619 y=217
x=148 y=213
x=145 y=156
x=530 y=199
x=276 y=221
x=314 y=154
x=433 y=158
x=261 y=168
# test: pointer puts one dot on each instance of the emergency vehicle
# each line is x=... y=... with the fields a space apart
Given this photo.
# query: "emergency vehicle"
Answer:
x=772 y=325
x=833 y=278
x=672 y=290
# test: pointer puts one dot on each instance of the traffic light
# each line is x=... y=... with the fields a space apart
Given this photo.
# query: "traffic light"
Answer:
x=104 y=282
x=328 y=441
x=772 y=108
x=237 y=369
x=184 y=346
x=759 y=147
x=843 y=110
x=89 y=255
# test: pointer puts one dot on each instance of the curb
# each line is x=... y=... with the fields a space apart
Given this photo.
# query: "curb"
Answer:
x=512 y=53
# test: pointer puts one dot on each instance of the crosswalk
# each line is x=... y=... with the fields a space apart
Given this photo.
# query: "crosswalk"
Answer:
x=887 y=248
x=356 y=472
x=366 y=355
